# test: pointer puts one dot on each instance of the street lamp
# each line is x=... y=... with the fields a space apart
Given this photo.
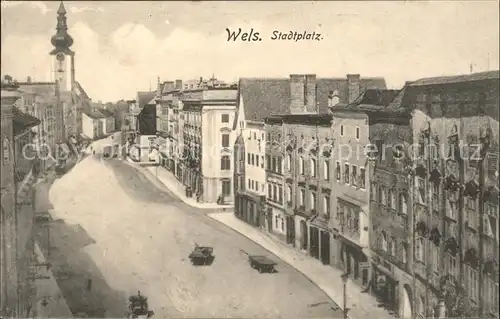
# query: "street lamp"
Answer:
x=345 y=277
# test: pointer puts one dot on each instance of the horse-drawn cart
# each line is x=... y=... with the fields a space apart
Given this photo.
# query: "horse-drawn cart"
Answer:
x=138 y=307
x=201 y=255
x=262 y=264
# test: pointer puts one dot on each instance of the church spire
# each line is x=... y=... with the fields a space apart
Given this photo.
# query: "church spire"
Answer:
x=62 y=41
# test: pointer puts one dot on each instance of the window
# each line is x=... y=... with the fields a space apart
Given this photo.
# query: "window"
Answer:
x=248 y=158
x=435 y=196
x=403 y=204
x=249 y=183
x=282 y=224
x=289 y=162
x=357 y=133
x=275 y=193
x=354 y=175
x=313 y=167
x=268 y=162
x=392 y=199
x=262 y=161
x=252 y=184
x=269 y=191
x=434 y=257
x=421 y=190
x=225 y=140
x=452 y=265
x=346 y=173
x=337 y=171
x=404 y=252
x=302 y=196
x=341 y=130
x=6 y=150
x=301 y=166
x=419 y=249
x=472 y=282
x=257 y=160
x=326 y=170
x=253 y=159
x=288 y=193
x=273 y=167
x=226 y=187
x=392 y=246
x=326 y=205
x=224 y=118
x=362 y=178
x=382 y=196
x=256 y=185
x=313 y=200
x=279 y=165
x=225 y=163
x=383 y=244
x=254 y=135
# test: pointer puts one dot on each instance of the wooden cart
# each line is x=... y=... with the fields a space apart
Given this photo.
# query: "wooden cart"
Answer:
x=201 y=255
x=262 y=264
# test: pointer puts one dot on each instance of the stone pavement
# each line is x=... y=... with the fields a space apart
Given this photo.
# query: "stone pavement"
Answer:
x=49 y=300
x=175 y=186
x=327 y=278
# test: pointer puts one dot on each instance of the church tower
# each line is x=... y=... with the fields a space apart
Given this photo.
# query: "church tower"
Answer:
x=63 y=58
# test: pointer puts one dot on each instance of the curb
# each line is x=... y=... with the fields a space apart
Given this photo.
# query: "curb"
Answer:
x=147 y=173
x=274 y=254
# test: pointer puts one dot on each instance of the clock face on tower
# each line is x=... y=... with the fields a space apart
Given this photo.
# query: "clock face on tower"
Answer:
x=60 y=57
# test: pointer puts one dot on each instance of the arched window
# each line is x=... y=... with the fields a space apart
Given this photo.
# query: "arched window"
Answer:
x=301 y=166
x=289 y=162
x=384 y=241
x=403 y=204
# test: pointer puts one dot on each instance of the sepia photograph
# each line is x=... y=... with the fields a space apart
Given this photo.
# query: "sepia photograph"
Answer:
x=250 y=159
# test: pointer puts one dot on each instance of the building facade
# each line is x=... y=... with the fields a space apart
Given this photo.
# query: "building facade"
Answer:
x=455 y=193
x=257 y=99
x=20 y=167
x=207 y=142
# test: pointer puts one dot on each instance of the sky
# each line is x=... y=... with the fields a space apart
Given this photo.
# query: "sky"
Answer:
x=123 y=47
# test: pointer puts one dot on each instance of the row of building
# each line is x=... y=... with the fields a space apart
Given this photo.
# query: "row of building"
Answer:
x=43 y=125
x=397 y=187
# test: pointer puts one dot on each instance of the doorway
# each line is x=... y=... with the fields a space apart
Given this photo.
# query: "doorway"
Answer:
x=290 y=230
x=314 y=249
x=325 y=247
x=304 y=240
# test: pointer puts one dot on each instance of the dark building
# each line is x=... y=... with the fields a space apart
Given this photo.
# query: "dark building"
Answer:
x=146 y=120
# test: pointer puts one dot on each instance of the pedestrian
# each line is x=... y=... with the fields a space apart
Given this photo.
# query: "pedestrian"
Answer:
x=89 y=284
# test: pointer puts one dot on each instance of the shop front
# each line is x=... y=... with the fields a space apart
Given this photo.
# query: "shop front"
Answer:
x=319 y=245
x=354 y=261
x=251 y=208
x=385 y=284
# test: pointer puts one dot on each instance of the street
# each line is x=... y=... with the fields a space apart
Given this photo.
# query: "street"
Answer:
x=135 y=236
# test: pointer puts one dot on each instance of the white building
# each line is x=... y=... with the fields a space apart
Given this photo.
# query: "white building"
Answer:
x=257 y=99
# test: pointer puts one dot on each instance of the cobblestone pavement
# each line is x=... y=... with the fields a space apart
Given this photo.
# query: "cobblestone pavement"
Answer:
x=139 y=236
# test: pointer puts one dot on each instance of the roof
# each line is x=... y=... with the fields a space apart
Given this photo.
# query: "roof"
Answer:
x=82 y=92
x=264 y=97
x=94 y=114
x=106 y=112
x=144 y=98
x=22 y=121
x=480 y=76
x=310 y=119
x=371 y=100
x=41 y=88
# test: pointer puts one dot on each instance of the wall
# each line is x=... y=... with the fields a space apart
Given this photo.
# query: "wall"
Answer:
x=88 y=126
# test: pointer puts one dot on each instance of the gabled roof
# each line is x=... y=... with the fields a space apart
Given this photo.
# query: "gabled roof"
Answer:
x=480 y=76
x=22 y=121
x=79 y=88
x=144 y=98
x=94 y=114
x=264 y=97
x=106 y=113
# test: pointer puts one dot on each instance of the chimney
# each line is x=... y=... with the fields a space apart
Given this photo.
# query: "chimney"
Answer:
x=169 y=86
x=310 y=94
x=28 y=79
x=297 y=93
x=178 y=84
x=353 y=86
